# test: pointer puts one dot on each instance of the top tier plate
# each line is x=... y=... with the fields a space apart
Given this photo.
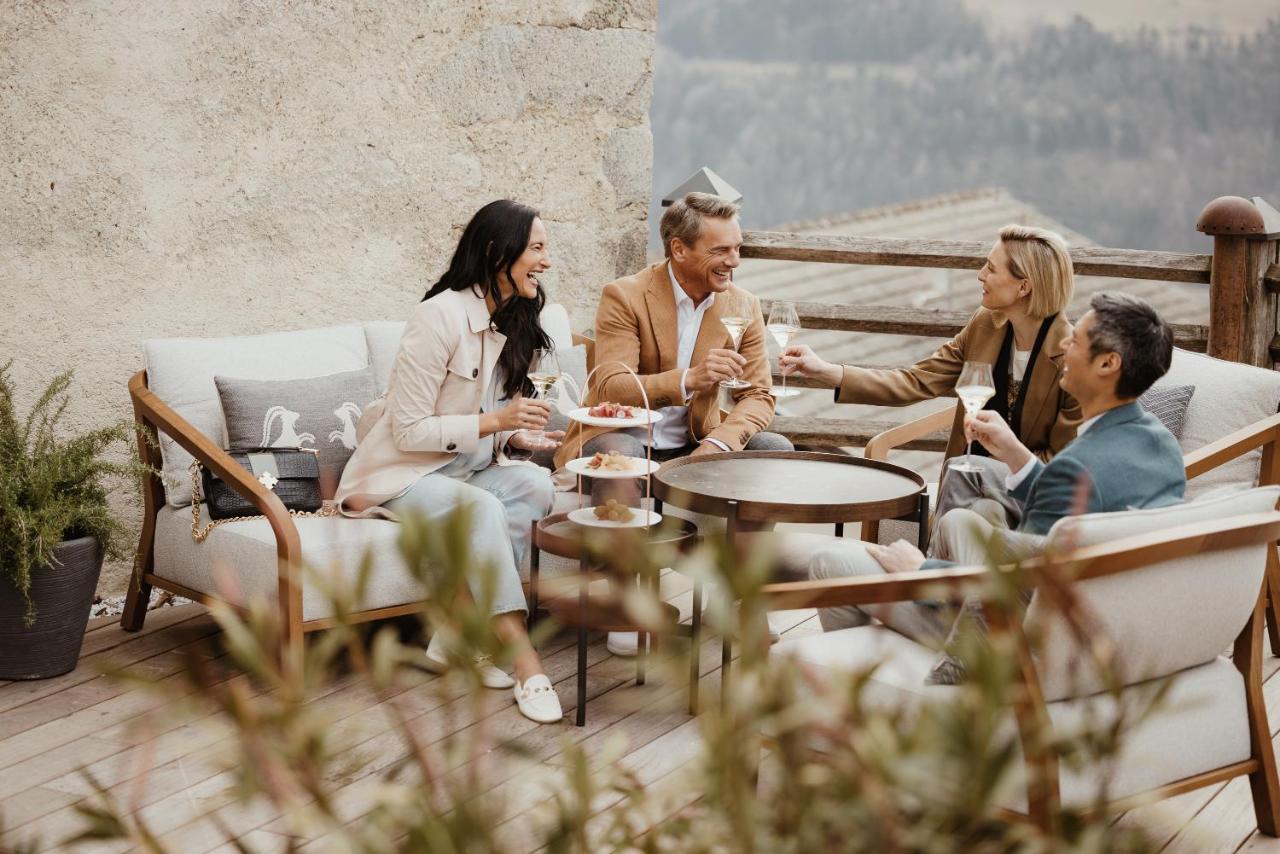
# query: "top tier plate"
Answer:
x=640 y=419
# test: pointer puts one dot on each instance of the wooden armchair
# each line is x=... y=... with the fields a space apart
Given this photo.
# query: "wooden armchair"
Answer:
x=1213 y=725
x=1230 y=418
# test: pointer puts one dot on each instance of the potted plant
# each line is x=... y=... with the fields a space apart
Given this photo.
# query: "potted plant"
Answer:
x=55 y=528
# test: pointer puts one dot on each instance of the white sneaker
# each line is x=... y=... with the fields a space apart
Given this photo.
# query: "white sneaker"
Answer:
x=538 y=701
x=624 y=644
x=490 y=676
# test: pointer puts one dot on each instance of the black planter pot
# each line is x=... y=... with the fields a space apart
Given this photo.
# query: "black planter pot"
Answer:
x=63 y=593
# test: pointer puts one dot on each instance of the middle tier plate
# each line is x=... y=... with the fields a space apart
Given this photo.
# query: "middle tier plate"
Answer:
x=640 y=468
x=640 y=419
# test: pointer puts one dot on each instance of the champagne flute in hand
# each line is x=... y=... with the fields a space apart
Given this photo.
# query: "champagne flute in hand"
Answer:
x=974 y=388
x=736 y=318
x=783 y=324
x=544 y=373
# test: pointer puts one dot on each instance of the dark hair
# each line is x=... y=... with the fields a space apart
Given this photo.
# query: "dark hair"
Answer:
x=1131 y=328
x=495 y=238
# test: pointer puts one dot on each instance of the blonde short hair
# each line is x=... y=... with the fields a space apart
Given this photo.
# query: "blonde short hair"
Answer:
x=1040 y=256
x=684 y=218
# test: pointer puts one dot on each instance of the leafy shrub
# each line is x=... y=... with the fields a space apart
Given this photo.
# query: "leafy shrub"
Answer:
x=53 y=488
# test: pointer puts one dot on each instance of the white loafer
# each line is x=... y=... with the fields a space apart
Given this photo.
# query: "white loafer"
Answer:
x=624 y=644
x=490 y=676
x=538 y=701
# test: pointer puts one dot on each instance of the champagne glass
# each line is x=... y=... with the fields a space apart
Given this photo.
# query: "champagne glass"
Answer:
x=736 y=318
x=544 y=373
x=974 y=388
x=783 y=324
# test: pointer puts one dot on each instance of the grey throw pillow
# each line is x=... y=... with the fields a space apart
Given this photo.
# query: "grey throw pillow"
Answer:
x=1169 y=404
x=317 y=412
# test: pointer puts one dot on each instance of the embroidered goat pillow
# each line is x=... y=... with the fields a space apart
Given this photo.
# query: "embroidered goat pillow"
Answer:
x=317 y=412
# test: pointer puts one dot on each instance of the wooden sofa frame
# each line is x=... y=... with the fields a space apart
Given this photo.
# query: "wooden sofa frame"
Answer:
x=153 y=417
x=1264 y=434
x=1030 y=710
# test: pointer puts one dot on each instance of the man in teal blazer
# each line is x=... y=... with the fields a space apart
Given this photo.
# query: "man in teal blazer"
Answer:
x=1122 y=458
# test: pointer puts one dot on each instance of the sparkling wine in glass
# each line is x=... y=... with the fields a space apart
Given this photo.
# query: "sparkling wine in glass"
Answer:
x=544 y=373
x=974 y=388
x=783 y=324
x=736 y=319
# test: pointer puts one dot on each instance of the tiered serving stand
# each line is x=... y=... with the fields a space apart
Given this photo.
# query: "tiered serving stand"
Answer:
x=563 y=535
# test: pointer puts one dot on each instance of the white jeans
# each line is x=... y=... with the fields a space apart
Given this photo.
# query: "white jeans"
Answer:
x=504 y=502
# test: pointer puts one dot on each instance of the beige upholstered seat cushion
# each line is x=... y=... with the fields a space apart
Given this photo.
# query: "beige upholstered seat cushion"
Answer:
x=1201 y=725
x=333 y=547
x=1162 y=618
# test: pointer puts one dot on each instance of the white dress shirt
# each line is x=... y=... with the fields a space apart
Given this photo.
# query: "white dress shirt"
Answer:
x=1014 y=480
x=673 y=430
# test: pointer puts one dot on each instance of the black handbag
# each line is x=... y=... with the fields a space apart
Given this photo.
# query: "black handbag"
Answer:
x=293 y=474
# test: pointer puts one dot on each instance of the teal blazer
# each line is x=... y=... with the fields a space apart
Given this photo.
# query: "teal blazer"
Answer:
x=1126 y=460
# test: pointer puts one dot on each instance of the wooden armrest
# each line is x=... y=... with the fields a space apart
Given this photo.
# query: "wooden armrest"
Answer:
x=880 y=445
x=160 y=415
x=1230 y=447
x=1079 y=565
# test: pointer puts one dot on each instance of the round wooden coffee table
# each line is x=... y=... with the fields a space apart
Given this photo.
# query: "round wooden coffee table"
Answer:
x=752 y=488
x=557 y=535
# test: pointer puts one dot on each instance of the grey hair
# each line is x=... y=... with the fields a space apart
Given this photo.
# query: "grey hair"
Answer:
x=684 y=218
x=1132 y=329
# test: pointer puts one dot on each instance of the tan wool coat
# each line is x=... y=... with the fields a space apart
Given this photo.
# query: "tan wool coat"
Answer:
x=1050 y=416
x=431 y=410
x=636 y=326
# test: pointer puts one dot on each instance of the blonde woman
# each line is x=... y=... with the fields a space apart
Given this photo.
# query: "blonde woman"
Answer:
x=1026 y=283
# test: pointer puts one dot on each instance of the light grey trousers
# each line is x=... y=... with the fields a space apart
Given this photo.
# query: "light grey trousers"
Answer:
x=978 y=534
x=504 y=502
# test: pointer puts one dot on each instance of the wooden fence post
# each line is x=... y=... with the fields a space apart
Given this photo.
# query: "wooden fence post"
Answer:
x=1243 y=279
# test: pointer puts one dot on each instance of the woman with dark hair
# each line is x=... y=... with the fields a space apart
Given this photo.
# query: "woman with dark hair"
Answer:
x=456 y=401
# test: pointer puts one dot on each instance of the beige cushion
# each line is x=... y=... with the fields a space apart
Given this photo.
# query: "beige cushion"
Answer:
x=1228 y=396
x=1162 y=618
x=333 y=547
x=1202 y=725
x=180 y=372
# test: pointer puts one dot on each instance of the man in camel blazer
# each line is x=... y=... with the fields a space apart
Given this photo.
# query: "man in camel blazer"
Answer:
x=664 y=324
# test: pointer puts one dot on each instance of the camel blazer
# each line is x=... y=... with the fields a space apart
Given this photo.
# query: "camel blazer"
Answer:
x=431 y=411
x=636 y=326
x=1049 y=415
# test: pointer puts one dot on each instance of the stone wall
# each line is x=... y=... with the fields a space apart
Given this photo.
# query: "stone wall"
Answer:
x=218 y=168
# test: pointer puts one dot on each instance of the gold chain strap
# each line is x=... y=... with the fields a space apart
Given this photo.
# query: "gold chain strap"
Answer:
x=201 y=534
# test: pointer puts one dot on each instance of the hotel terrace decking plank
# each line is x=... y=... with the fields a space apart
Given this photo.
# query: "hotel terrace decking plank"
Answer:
x=85 y=723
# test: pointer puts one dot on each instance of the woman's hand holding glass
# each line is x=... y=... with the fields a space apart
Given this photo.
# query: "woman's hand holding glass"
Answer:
x=800 y=359
x=523 y=413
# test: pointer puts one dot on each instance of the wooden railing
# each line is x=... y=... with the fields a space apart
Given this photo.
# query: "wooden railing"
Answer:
x=1243 y=275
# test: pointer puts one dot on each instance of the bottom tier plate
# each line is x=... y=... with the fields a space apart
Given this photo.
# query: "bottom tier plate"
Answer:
x=586 y=516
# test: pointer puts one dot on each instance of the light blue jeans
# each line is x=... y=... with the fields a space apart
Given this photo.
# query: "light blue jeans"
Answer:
x=504 y=502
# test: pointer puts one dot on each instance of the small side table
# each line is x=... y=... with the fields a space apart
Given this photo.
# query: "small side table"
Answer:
x=756 y=487
x=557 y=535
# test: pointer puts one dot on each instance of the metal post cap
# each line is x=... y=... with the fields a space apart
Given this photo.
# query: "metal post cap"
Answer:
x=1231 y=215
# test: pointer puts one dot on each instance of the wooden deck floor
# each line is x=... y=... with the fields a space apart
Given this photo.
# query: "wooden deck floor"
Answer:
x=50 y=729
